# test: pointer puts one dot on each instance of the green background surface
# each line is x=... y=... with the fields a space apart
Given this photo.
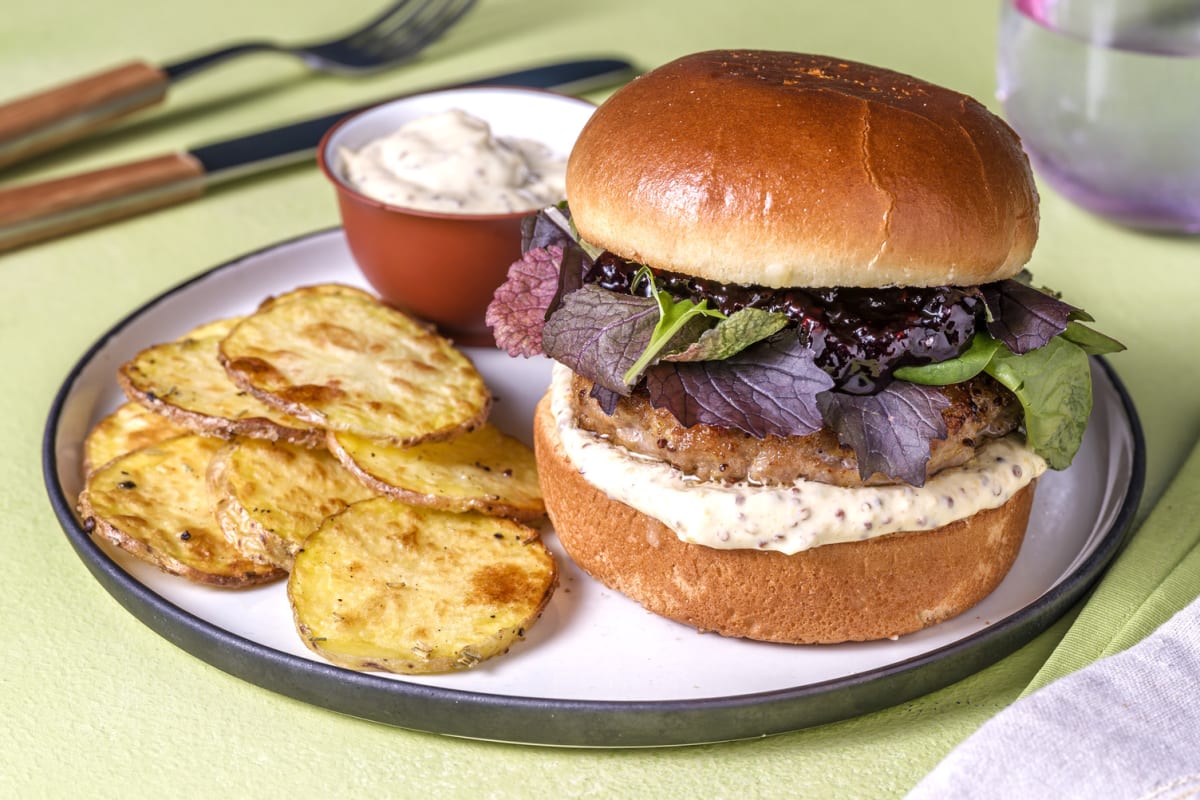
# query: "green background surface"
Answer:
x=95 y=703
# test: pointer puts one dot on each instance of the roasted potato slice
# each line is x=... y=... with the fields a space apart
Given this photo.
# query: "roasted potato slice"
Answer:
x=392 y=587
x=131 y=427
x=183 y=381
x=272 y=495
x=155 y=503
x=217 y=328
x=340 y=359
x=485 y=470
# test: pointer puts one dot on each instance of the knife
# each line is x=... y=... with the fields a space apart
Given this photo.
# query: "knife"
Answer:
x=39 y=211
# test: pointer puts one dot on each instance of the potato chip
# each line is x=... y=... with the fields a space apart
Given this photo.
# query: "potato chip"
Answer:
x=485 y=471
x=272 y=495
x=131 y=427
x=392 y=587
x=339 y=359
x=155 y=503
x=183 y=381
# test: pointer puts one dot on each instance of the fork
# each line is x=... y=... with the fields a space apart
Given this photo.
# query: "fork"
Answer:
x=51 y=118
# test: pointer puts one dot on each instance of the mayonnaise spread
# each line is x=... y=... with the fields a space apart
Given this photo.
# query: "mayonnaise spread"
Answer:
x=794 y=517
x=452 y=162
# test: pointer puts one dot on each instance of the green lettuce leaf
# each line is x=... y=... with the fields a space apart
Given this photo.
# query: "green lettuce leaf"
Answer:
x=1090 y=340
x=1054 y=386
x=967 y=365
x=731 y=335
x=675 y=317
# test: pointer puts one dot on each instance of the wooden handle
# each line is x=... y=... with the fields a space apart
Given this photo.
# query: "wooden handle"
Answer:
x=45 y=120
x=40 y=211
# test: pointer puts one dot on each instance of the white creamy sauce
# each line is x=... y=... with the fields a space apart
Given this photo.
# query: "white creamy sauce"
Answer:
x=452 y=162
x=742 y=515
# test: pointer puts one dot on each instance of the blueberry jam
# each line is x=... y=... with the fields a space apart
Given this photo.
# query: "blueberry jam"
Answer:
x=858 y=336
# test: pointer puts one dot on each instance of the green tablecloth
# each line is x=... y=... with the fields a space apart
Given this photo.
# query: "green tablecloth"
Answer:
x=95 y=703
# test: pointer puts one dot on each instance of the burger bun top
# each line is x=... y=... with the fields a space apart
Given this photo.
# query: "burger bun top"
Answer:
x=792 y=170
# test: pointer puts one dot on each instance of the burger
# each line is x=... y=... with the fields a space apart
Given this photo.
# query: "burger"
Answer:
x=804 y=386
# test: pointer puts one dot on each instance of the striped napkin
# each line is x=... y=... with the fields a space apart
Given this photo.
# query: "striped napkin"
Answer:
x=1115 y=710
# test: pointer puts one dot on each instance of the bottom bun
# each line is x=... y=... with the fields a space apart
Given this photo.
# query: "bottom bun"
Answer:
x=852 y=591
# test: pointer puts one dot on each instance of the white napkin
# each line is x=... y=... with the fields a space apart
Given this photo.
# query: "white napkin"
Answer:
x=1127 y=726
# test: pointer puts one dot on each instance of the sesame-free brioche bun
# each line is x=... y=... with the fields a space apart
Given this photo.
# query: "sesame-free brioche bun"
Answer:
x=792 y=170
x=853 y=591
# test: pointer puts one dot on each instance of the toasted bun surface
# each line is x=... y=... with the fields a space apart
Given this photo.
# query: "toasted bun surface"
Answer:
x=854 y=591
x=792 y=170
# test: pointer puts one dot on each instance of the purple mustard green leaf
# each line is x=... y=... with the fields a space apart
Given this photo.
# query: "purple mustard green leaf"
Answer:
x=546 y=227
x=572 y=269
x=606 y=398
x=517 y=312
x=599 y=334
x=891 y=431
x=768 y=389
x=1022 y=317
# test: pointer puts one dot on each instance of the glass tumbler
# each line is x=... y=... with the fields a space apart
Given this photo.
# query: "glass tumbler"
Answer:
x=1105 y=95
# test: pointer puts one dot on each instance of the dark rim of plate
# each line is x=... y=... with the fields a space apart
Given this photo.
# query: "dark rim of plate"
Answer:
x=566 y=722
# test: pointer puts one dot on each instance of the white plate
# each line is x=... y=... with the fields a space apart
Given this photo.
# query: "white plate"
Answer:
x=597 y=670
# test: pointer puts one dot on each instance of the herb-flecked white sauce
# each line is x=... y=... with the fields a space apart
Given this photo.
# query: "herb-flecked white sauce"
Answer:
x=452 y=162
x=798 y=516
